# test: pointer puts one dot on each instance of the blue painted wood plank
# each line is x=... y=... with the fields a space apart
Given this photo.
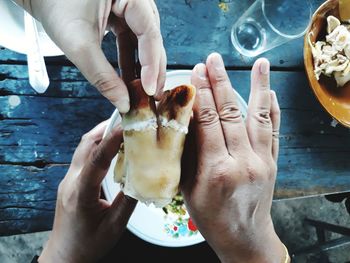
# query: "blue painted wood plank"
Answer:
x=108 y=47
x=28 y=197
x=65 y=81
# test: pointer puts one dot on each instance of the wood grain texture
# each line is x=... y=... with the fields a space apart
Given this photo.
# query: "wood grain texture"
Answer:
x=192 y=29
x=47 y=129
x=38 y=137
x=28 y=197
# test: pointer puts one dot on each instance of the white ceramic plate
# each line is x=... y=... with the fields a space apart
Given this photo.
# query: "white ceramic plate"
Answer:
x=148 y=222
x=12 y=34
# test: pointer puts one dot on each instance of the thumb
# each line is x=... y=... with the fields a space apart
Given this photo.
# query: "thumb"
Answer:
x=99 y=72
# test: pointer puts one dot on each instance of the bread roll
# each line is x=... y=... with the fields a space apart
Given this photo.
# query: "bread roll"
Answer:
x=149 y=161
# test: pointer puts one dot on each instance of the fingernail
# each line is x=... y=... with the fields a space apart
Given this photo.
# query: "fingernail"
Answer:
x=150 y=89
x=123 y=106
x=264 y=67
x=201 y=71
x=218 y=63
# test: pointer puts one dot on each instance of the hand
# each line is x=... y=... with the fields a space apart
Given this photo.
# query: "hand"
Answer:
x=78 y=26
x=85 y=226
x=228 y=190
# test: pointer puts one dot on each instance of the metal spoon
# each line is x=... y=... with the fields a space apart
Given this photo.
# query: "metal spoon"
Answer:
x=38 y=77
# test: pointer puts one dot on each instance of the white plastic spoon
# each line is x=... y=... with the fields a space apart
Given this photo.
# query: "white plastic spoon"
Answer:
x=38 y=77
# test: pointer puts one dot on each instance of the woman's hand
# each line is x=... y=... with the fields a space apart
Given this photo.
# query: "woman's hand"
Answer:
x=228 y=190
x=85 y=226
x=78 y=27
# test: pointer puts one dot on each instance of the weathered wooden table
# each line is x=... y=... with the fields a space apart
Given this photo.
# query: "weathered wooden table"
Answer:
x=38 y=136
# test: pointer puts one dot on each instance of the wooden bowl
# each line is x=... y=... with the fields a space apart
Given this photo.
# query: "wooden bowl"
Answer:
x=335 y=100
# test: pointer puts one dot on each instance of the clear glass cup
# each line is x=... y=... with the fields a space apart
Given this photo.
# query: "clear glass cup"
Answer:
x=270 y=23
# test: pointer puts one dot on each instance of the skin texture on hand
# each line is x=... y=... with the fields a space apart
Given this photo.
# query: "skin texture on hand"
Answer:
x=228 y=190
x=78 y=27
x=85 y=226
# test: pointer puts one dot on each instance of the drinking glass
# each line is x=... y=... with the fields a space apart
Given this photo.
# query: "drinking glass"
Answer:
x=270 y=23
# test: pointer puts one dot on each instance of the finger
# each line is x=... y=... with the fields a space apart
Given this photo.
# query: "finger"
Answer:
x=210 y=138
x=258 y=121
x=227 y=105
x=97 y=164
x=87 y=144
x=275 y=114
x=143 y=22
x=149 y=57
x=119 y=213
x=162 y=75
x=163 y=59
x=94 y=66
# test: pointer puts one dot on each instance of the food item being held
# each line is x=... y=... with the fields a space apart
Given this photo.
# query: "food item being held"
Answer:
x=332 y=56
x=149 y=163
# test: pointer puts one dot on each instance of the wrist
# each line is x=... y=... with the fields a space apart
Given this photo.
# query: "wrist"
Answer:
x=53 y=253
x=265 y=247
x=272 y=251
x=49 y=255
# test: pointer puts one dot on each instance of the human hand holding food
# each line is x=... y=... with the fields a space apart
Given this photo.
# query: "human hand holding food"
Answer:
x=78 y=26
x=228 y=190
x=85 y=226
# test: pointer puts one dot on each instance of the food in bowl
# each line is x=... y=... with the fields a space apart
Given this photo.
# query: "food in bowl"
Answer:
x=332 y=54
x=148 y=166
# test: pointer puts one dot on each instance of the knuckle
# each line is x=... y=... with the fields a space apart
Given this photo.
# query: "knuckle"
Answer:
x=104 y=83
x=222 y=79
x=208 y=116
x=86 y=137
x=258 y=170
x=222 y=184
x=220 y=179
x=98 y=159
x=230 y=112
x=253 y=173
x=262 y=116
x=154 y=33
x=221 y=175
